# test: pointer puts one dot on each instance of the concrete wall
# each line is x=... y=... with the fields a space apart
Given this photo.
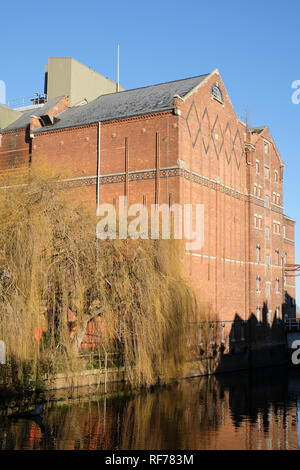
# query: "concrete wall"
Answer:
x=67 y=76
x=8 y=116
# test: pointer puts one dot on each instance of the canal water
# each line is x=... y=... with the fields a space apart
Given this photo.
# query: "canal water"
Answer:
x=243 y=410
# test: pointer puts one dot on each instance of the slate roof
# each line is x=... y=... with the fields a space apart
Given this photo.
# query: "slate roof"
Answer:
x=124 y=104
x=146 y=100
x=24 y=120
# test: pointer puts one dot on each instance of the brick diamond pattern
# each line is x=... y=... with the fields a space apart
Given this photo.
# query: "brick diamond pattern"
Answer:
x=212 y=134
x=193 y=123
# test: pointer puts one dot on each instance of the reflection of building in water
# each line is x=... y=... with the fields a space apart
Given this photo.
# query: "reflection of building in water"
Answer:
x=233 y=411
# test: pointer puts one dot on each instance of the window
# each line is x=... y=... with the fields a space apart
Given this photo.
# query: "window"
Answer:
x=267 y=202
x=258 y=284
x=284 y=257
x=277 y=199
x=211 y=333
x=267 y=172
x=242 y=331
x=200 y=336
x=232 y=333
x=269 y=314
x=277 y=285
x=255 y=189
x=276 y=227
x=259 y=191
x=268 y=260
x=284 y=231
x=274 y=198
x=277 y=313
x=258 y=254
x=267 y=233
x=258 y=221
x=257 y=167
x=276 y=176
x=266 y=148
x=258 y=316
x=268 y=289
x=222 y=332
x=277 y=257
x=216 y=92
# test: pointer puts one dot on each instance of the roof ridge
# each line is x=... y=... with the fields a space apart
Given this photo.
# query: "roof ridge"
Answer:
x=155 y=84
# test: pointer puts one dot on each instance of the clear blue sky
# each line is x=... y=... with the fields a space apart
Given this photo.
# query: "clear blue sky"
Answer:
x=255 y=45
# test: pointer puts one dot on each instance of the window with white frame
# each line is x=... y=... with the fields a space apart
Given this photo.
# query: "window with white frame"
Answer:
x=267 y=172
x=277 y=285
x=258 y=221
x=200 y=336
x=269 y=315
x=274 y=198
x=268 y=289
x=276 y=176
x=266 y=148
x=277 y=313
x=277 y=257
x=284 y=231
x=267 y=233
x=267 y=201
x=268 y=260
x=278 y=199
x=258 y=281
x=259 y=188
x=255 y=189
x=258 y=254
x=276 y=227
x=258 y=315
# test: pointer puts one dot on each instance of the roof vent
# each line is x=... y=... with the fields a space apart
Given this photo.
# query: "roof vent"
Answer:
x=46 y=120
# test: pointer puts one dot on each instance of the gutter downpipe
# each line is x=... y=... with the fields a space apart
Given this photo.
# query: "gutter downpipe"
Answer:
x=98 y=165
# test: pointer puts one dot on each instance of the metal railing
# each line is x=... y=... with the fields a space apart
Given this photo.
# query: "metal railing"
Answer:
x=26 y=101
x=292 y=324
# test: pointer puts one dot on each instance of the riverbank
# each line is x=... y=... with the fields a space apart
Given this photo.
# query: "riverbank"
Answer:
x=253 y=409
x=113 y=380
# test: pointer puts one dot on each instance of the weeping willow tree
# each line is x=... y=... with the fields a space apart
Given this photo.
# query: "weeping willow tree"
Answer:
x=51 y=264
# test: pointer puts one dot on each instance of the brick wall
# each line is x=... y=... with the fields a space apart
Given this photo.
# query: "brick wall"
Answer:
x=200 y=154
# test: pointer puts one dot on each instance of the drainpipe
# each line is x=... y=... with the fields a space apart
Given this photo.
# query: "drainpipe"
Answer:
x=98 y=165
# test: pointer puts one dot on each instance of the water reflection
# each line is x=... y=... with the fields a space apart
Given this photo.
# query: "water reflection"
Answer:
x=245 y=410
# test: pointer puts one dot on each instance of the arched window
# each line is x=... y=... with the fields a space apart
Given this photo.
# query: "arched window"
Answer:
x=216 y=92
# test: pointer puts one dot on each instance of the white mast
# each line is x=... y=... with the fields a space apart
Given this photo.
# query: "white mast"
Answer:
x=118 y=80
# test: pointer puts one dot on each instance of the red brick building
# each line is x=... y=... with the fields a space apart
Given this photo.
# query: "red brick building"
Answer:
x=179 y=142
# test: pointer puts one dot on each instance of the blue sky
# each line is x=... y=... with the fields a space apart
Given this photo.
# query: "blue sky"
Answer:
x=255 y=45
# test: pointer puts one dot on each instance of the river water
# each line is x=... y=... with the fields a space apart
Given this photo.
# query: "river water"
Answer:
x=259 y=409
